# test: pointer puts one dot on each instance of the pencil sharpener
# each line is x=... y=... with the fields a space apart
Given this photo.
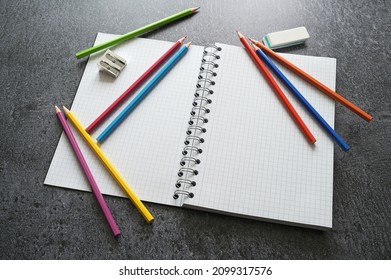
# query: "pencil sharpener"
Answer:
x=111 y=63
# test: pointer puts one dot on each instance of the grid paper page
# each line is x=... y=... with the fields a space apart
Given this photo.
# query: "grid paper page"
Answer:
x=256 y=163
x=146 y=147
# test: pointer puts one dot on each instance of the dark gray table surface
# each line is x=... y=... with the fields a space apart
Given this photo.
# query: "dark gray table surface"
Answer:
x=38 y=69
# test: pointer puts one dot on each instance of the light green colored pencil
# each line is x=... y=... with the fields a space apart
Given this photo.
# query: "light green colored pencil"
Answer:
x=136 y=32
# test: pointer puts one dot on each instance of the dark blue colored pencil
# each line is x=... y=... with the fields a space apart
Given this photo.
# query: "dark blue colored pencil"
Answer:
x=301 y=98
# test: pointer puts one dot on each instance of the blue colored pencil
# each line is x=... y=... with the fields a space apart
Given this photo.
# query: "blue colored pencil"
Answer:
x=143 y=93
x=345 y=147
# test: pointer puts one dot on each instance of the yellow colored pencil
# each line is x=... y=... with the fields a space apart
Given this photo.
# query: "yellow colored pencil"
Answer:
x=110 y=167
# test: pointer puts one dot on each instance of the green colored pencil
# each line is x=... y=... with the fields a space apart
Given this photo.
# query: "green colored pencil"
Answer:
x=136 y=32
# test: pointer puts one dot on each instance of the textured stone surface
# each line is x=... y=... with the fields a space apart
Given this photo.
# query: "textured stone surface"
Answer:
x=38 y=41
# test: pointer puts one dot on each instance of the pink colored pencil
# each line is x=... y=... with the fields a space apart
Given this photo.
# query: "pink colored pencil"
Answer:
x=135 y=85
x=95 y=189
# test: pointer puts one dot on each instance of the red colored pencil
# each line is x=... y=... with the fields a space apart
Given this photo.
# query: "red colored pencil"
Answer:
x=277 y=90
x=314 y=82
x=135 y=85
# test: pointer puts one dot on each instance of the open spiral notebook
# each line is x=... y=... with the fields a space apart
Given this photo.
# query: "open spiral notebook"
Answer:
x=253 y=162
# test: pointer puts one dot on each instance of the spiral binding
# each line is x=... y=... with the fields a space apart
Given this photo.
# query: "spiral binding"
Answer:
x=197 y=120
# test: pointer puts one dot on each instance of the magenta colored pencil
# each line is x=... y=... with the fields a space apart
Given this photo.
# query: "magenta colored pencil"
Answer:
x=95 y=189
x=135 y=85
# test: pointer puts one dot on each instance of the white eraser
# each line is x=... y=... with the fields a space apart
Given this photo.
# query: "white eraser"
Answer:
x=286 y=38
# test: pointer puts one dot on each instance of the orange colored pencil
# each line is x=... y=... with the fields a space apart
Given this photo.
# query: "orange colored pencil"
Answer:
x=277 y=90
x=332 y=94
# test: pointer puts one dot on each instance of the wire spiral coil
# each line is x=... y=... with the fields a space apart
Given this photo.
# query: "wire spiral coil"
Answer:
x=202 y=99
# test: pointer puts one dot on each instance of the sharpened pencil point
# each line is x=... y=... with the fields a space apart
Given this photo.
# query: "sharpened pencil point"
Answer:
x=57 y=109
x=182 y=39
x=255 y=48
x=253 y=41
x=188 y=44
x=65 y=109
x=195 y=9
x=239 y=34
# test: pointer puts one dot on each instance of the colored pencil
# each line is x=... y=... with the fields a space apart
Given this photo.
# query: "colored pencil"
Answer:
x=110 y=167
x=277 y=90
x=137 y=32
x=94 y=186
x=134 y=86
x=144 y=91
x=302 y=99
x=332 y=94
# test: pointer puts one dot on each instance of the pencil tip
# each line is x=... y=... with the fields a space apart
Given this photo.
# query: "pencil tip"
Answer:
x=195 y=9
x=254 y=46
x=188 y=44
x=65 y=109
x=182 y=39
x=57 y=109
x=239 y=34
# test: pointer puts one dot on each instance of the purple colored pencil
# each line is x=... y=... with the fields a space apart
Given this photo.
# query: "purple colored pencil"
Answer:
x=95 y=189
